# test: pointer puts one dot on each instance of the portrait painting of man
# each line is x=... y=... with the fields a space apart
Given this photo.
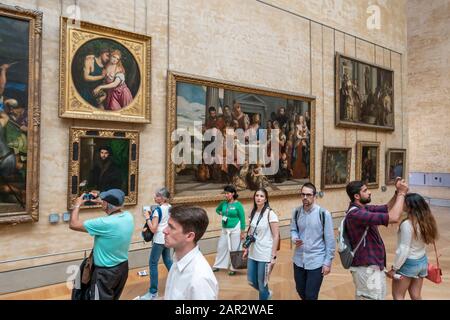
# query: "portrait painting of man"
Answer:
x=395 y=164
x=101 y=160
x=368 y=163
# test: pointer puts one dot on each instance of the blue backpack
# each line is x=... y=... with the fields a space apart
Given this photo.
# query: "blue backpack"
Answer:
x=147 y=234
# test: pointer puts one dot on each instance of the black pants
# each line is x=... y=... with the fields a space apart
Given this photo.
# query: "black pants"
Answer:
x=108 y=283
x=308 y=282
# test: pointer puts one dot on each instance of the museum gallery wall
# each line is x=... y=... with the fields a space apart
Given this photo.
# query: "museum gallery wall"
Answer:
x=105 y=77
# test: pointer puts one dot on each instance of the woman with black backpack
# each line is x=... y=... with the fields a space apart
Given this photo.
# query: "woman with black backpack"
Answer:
x=157 y=222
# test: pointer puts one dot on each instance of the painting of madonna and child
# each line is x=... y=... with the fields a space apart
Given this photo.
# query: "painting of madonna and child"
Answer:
x=245 y=139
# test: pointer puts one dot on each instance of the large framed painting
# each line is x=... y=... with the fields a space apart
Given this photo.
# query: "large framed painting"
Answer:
x=103 y=159
x=20 y=78
x=364 y=94
x=222 y=133
x=104 y=73
x=336 y=163
x=368 y=163
x=395 y=165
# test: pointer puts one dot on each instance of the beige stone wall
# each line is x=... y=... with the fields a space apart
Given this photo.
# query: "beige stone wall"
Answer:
x=428 y=97
x=249 y=42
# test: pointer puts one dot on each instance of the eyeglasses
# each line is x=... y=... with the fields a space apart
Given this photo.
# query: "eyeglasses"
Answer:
x=307 y=195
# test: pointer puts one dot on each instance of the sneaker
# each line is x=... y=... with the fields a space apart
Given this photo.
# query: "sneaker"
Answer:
x=148 y=296
x=270 y=295
x=215 y=269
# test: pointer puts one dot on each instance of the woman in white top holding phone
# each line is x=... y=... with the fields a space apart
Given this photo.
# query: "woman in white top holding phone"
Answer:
x=411 y=262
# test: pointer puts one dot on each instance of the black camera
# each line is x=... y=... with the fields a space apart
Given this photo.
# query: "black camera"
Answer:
x=89 y=197
x=248 y=241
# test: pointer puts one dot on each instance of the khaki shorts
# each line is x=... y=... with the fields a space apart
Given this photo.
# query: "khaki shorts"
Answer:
x=370 y=283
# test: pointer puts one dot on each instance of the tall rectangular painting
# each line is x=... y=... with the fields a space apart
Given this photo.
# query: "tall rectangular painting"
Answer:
x=20 y=61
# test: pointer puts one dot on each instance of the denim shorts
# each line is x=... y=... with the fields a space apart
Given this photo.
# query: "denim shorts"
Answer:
x=415 y=268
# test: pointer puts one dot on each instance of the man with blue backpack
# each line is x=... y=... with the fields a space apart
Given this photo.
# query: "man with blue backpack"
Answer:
x=313 y=236
x=156 y=221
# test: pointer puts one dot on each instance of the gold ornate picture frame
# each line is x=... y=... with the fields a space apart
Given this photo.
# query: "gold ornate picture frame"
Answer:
x=364 y=94
x=20 y=113
x=336 y=164
x=395 y=165
x=105 y=73
x=368 y=163
x=190 y=98
x=118 y=169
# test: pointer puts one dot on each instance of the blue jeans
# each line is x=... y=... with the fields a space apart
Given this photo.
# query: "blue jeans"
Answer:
x=255 y=276
x=155 y=254
x=308 y=282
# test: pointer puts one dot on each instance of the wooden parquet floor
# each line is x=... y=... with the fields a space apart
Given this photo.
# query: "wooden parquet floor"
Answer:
x=336 y=286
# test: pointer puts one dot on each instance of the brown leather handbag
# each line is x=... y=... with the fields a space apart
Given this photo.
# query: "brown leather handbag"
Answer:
x=237 y=258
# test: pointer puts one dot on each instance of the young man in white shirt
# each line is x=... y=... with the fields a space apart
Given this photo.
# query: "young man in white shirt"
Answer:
x=191 y=277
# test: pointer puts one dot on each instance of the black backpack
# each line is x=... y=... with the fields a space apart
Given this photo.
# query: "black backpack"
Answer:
x=82 y=289
x=147 y=234
x=322 y=220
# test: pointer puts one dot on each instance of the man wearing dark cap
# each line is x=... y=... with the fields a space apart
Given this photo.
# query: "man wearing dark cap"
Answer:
x=105 y=175
x=112 y=236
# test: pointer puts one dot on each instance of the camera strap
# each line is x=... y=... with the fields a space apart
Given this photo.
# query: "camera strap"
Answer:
x=257 y=222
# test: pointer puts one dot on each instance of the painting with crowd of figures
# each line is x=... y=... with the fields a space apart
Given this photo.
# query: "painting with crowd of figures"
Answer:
x=364 y=94
x=262 y=138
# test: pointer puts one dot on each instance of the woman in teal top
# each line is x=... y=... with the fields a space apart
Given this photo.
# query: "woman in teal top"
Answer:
x=233 y=229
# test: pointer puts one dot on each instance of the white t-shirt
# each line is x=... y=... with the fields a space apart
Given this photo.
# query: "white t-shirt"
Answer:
x=261 y=249
x=408 y=247
x=159 y=235
x=191 y=278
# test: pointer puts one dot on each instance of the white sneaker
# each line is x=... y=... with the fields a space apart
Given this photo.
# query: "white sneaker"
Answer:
x=270 y=295
x=149 y=296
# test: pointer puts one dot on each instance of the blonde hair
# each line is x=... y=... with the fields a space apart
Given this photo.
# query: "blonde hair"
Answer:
x=118 y=54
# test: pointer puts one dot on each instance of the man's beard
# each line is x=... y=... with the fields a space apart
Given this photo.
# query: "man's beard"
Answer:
x=365 y=200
